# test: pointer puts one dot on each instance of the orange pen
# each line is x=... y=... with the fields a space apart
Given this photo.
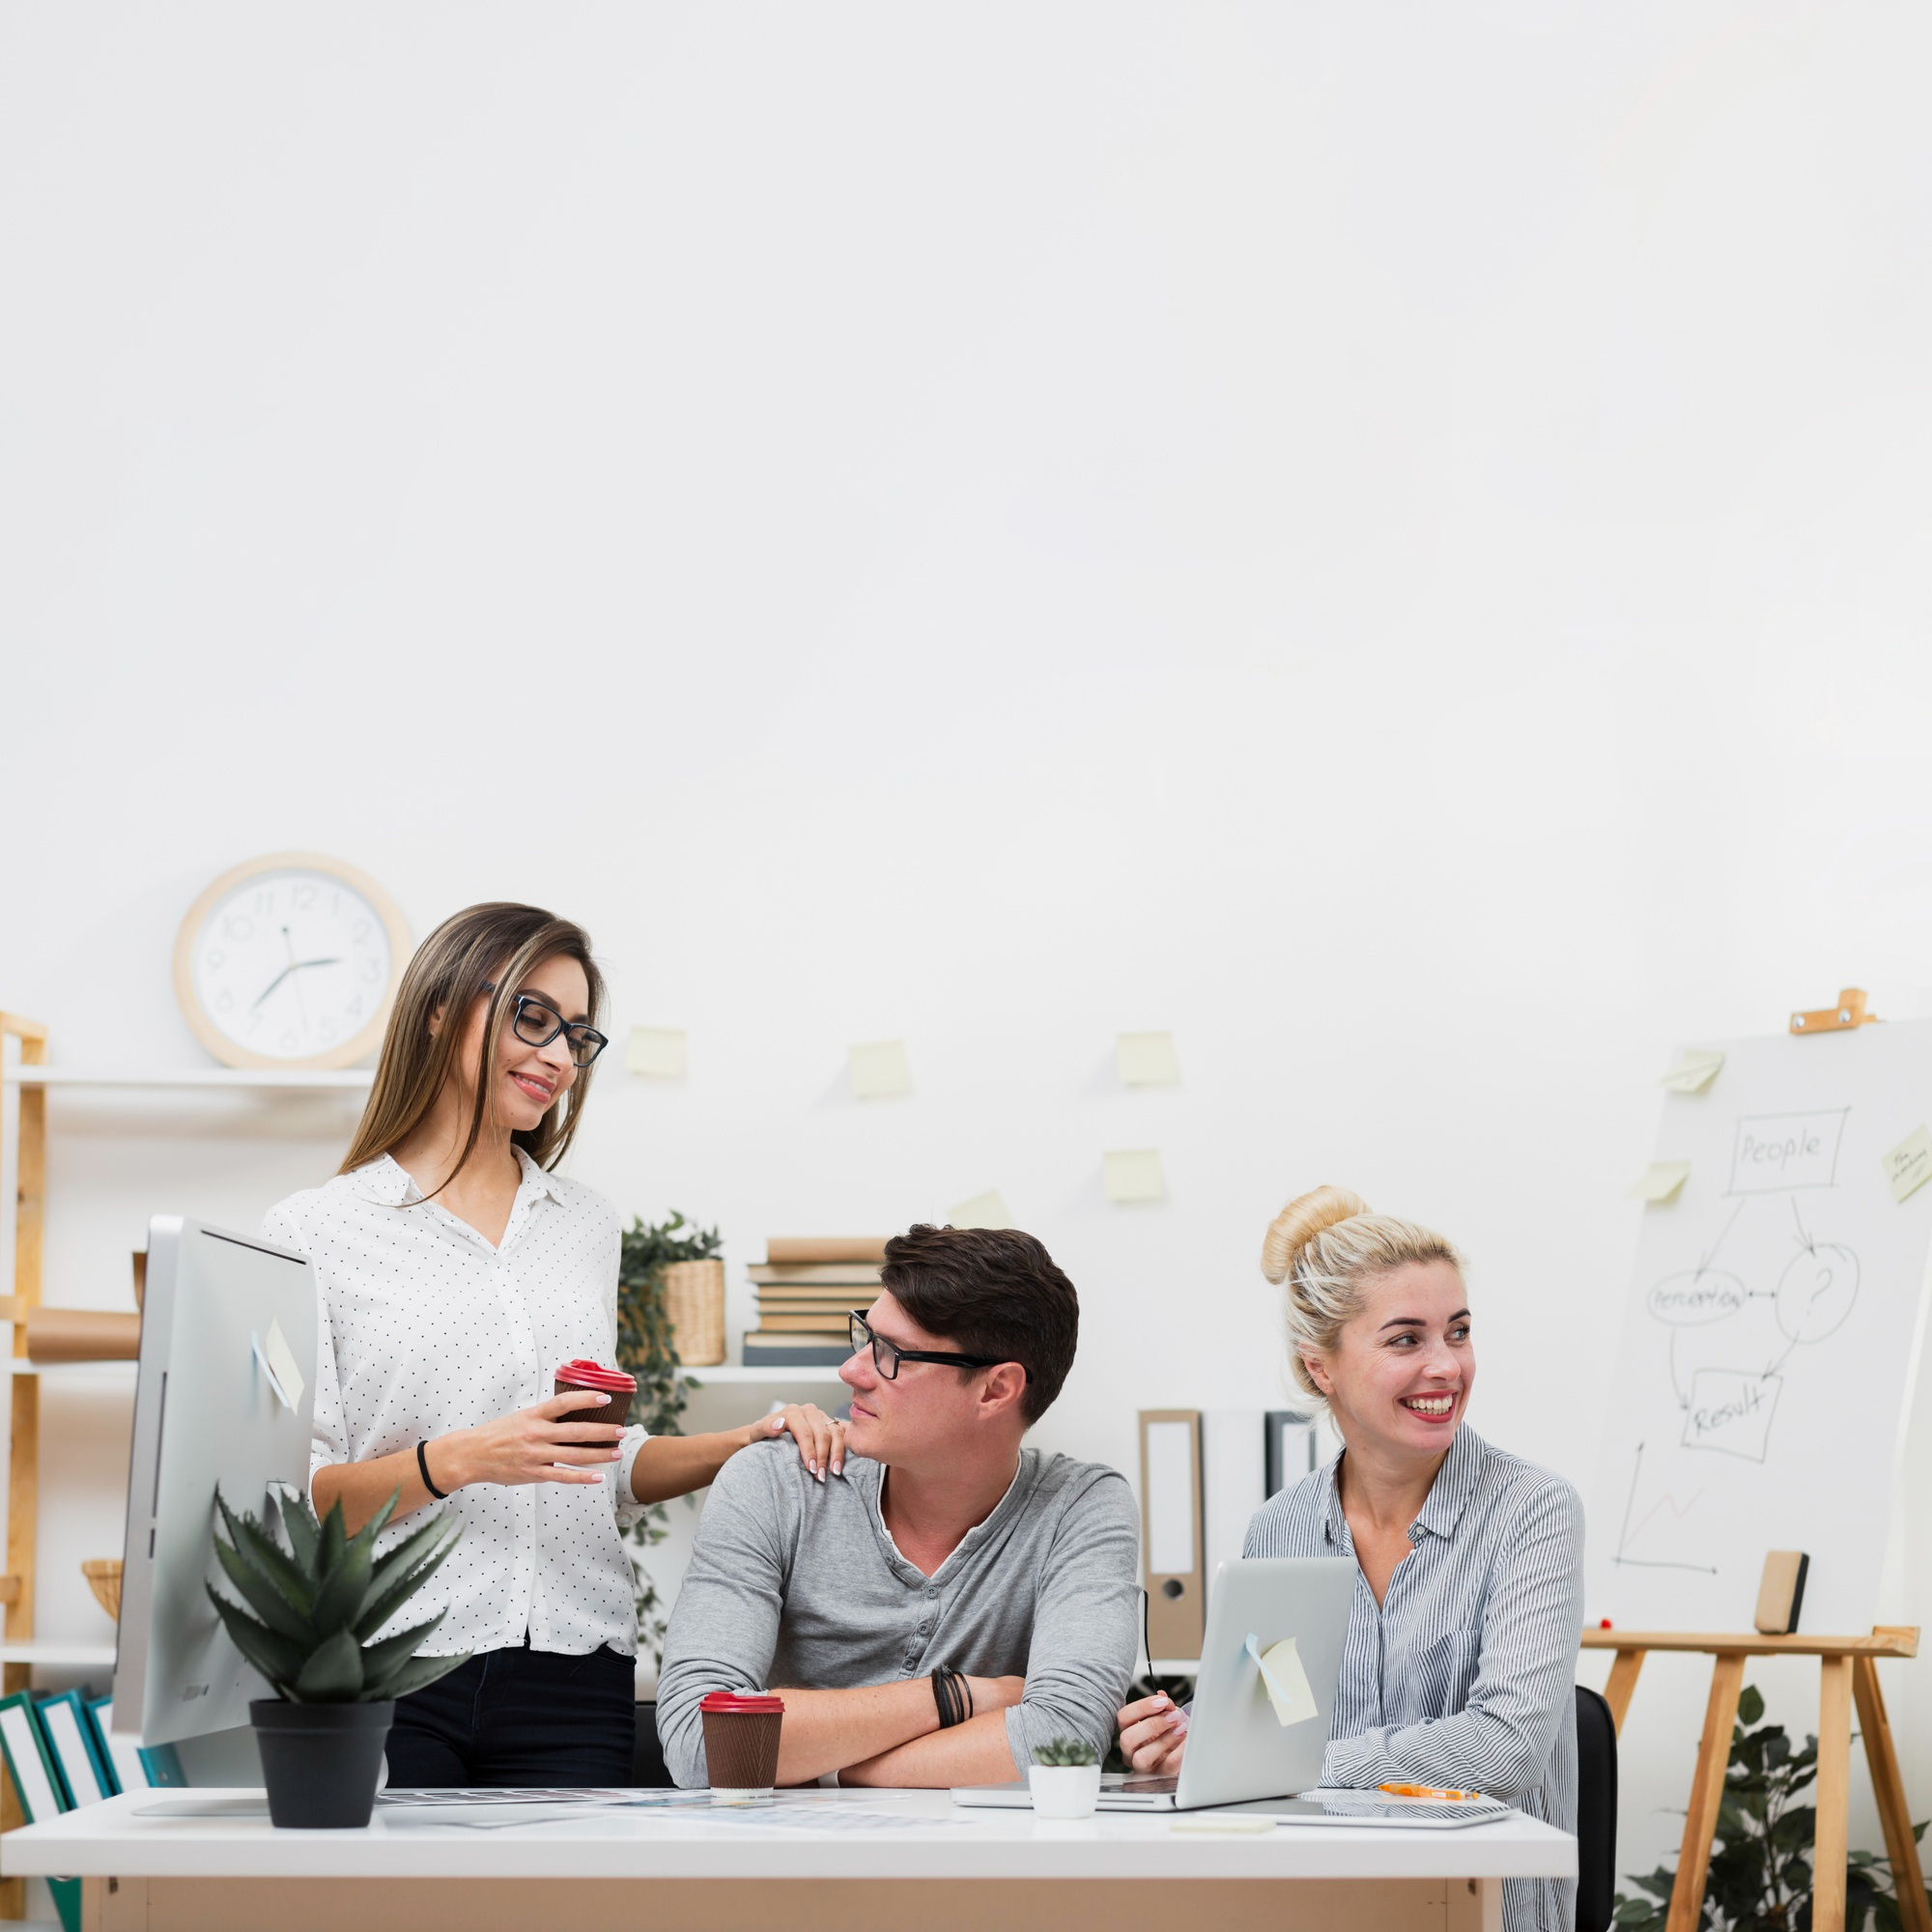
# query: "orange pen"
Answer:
x=1425 y=1791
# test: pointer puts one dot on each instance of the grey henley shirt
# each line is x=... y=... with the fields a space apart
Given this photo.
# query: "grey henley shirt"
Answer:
x=793 y=1582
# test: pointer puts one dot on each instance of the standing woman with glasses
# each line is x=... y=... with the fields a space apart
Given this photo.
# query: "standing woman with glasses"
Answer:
x=457 y=1271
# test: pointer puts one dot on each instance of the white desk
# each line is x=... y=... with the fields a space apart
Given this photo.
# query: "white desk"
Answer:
x=923 y=1864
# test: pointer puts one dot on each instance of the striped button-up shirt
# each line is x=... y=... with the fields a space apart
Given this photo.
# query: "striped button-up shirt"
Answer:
x=1466 y=1674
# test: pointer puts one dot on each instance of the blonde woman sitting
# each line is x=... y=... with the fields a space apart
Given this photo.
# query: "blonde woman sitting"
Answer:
x=1459 y=1664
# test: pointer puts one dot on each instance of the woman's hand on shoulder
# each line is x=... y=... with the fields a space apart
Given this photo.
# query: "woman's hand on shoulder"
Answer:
x=1153 y=1735
x=821 y=1439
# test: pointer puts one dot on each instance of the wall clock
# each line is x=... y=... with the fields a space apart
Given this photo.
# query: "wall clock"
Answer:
x=290 y=960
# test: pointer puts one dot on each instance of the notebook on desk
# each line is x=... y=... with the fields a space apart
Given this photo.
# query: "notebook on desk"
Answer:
x=1124 y=1792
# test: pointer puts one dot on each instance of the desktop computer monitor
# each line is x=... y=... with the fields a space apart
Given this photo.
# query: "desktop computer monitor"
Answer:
x=224 y=1395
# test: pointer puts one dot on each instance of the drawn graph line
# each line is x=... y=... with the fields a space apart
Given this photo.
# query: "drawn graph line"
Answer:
x=1678 y=1510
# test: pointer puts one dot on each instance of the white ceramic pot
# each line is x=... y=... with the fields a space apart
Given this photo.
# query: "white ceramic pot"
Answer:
x=1064 y=1790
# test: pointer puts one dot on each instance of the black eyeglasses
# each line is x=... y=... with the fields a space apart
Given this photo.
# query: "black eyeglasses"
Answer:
x=887 y=1355
x=536 y=1023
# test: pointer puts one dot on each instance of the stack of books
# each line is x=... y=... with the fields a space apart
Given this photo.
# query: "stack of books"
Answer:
x=805 y=1286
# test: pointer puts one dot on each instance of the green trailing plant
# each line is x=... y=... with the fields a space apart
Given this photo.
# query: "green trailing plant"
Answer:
x=320 y=1600
x=1761 y=1856
x=1061 y=1752
x=645 y=1350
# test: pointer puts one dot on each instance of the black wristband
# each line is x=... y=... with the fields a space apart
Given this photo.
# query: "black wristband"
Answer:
x=422 y=1463
x=946 y=1697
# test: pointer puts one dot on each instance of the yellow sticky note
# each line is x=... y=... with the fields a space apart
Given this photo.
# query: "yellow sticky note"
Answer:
x=880 y=1070
x=1287 y=1686
x=1145 y=1059
x=1909 y=1165
x=983 y=1210
x=658 y=1051
x=281 y=1361
x=1133 y=1174
x=1660 y=1181
x=1695 y=1071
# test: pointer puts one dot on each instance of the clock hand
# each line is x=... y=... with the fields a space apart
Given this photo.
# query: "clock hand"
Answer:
x=293 y=966
x=302 y=1005
x=273 y=985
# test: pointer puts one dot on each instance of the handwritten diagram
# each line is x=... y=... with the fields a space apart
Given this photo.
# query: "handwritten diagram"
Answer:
x=1734 y=1328
x=1767 y=1337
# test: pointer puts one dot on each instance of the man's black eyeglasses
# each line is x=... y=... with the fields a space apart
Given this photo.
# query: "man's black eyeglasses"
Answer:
x=536 y=1023
x=887 y=1355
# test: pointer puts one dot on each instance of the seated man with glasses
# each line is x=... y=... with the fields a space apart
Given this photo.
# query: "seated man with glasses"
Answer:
x=953 y=1600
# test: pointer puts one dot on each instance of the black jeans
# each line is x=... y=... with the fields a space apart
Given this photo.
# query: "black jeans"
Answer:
x=518 y=1717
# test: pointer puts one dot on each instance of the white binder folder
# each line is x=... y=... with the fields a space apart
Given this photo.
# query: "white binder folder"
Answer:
x=1171 y=1530
x=1233 y=1482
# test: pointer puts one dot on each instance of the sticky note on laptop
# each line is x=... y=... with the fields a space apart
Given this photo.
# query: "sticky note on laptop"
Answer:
x=1285 y=1680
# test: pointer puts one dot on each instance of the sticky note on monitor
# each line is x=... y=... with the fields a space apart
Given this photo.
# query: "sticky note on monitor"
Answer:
x=1286 y=1682
x=1133 y=1174
x=656 y=1051
x=983 y=1210
x=1695 y=1071
x=1660 y=1181
x=880 y=1071
x=1145 y=1059
x=1909 y=1165
x=281 y=1359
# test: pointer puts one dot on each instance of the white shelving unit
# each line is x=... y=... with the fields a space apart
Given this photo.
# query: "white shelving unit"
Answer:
x=60 y=1656
x=729 y=1376
x=120 y=1374
x=220 y=1079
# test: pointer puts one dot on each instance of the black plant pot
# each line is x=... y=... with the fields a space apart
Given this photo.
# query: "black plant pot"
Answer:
x=321 y=1761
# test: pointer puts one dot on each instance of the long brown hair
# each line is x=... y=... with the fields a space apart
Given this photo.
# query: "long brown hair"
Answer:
x=498 y=943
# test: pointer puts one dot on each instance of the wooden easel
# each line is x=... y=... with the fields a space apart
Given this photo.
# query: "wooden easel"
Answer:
x=1849 y=1673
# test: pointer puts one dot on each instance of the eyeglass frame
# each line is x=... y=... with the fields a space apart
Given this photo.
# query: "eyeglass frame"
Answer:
x=562 y=1027
x=856 y=1321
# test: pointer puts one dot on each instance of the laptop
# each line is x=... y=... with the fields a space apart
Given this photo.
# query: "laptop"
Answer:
x=1247 y=1738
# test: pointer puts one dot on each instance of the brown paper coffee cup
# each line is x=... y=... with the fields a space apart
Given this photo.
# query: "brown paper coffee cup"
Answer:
x=741 y=1745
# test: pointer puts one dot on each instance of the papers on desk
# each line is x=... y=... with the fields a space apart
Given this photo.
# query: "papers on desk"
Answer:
x=443 y=1796
x=498 y=1810
x=495 y=1809
x=827 y=1815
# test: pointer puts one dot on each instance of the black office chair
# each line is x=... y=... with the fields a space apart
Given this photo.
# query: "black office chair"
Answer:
x=647 y=1758
x=1596 y=1812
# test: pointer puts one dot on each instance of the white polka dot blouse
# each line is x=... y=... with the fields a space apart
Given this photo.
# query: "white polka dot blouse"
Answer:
x=426 y=1327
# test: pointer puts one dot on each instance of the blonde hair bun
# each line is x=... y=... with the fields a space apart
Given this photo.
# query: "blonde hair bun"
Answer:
x=1301 y=1221
x=1324 y=1248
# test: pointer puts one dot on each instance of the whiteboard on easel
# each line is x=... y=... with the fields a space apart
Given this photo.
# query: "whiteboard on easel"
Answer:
x=1770 y=1339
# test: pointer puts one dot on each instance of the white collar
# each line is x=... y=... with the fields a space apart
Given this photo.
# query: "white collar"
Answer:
x=388 y=1185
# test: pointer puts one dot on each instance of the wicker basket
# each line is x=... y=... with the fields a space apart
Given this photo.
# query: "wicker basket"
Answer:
x=694 y=1302
x=103 y=1578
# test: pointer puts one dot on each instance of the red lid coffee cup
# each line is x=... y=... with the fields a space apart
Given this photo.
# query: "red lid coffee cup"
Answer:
x=741 y=1744
x=591 y=1378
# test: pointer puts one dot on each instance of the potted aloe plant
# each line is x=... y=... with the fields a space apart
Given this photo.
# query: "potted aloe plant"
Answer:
x=318 y=1603
x=1064 y=1777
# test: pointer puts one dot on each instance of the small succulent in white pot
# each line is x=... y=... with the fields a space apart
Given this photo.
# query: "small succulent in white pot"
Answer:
x=1064 y=1777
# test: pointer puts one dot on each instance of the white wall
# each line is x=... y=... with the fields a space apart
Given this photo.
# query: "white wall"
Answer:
x=1395 y=542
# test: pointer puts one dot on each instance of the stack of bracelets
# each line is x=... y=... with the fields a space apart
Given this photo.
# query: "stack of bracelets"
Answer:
x=954 y=1695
